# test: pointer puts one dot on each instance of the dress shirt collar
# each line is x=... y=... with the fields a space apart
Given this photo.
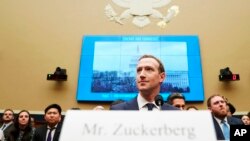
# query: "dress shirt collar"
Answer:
x=48 y=127
x=219 y=120
x=142 y=102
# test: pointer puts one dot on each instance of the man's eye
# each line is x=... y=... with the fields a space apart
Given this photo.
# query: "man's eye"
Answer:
x=149 y=69
x=216 y=102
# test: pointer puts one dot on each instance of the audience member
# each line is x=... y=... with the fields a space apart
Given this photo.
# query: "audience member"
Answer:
x=248 y=114
x=218 y=107
x=230 y=109
x=177 y=100
x=22 y=130
x=51 y=130
x=245 y=119
x=150 y=74
x=7 y=118
x=192 y=108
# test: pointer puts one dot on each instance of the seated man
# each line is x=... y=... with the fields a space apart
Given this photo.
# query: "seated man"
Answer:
x=218 y=107
x=8 y=124
x=51 y=130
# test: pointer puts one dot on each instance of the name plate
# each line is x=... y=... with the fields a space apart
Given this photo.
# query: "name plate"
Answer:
x=90 y=125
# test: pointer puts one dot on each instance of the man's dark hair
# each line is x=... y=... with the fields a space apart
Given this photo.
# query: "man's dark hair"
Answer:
x=56 y=106
x=173 y=96
x=161 y=67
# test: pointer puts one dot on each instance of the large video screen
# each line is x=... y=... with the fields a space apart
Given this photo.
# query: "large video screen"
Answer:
x=108 y=66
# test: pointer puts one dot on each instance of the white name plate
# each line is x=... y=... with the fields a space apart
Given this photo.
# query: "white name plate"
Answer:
x=86 y=125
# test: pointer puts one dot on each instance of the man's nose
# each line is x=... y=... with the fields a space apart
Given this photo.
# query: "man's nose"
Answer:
x=142 y=73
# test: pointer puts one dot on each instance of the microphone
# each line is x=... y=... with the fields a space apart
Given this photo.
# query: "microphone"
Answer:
x=159 y=101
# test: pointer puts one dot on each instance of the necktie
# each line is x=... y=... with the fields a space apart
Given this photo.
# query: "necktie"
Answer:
x=49 y=138
x=225 y=129
x=150 y=106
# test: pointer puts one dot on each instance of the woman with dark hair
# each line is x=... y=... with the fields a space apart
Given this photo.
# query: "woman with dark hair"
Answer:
x=22 y=130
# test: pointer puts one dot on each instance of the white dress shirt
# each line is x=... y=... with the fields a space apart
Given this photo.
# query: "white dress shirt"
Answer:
x=142 y=104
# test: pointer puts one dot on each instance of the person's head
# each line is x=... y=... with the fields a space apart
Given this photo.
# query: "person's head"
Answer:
x=23 y=120
x=245 y=119
x=150 y=74
x=8 y=116
x=98 y=108
x=177 y=100
x=217 y=105
x=53 y=114
x=192 y=108
x=230 y=109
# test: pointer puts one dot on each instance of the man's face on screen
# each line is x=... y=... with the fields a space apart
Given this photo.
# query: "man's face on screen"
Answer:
x=148 y=77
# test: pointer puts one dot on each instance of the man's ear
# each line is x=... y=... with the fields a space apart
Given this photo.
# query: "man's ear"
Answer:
x=163 y=76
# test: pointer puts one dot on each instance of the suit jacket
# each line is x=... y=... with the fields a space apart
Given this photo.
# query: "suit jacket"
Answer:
x=231 y=121
x=8 y=129
x=133 y=105
x=40 y=133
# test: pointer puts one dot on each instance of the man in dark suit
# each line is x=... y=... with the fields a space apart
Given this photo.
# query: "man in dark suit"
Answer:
x=51 y=130
x=218 y=107
x=150 y=74
x=8 y=117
